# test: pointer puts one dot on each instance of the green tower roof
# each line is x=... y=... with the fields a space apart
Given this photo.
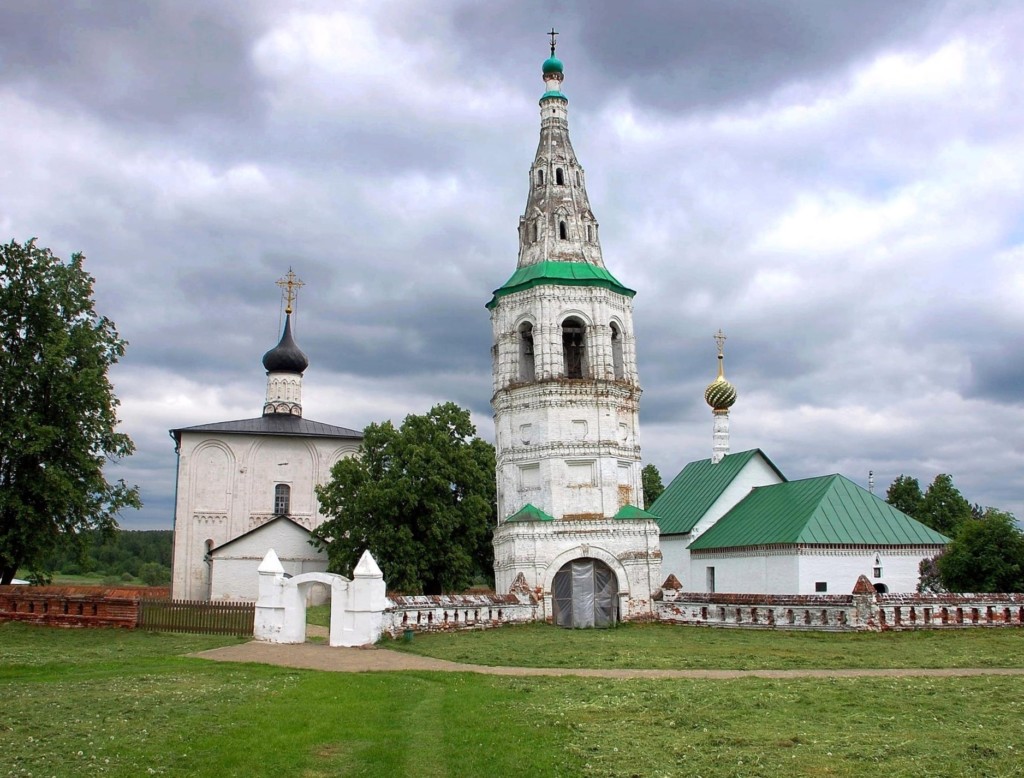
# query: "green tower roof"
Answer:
x=530 y=512
x=559 y=274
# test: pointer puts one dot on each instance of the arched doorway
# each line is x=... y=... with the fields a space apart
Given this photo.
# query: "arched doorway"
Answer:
x=584 y=593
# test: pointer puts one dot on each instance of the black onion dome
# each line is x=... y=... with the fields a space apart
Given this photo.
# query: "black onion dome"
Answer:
x=286 y=356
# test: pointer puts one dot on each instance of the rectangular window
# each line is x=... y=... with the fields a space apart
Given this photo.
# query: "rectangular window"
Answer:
x=581 y=473
x=878 y=572
x=821 y=586
x=282 y=499
x=529 y=476
x=711 y=579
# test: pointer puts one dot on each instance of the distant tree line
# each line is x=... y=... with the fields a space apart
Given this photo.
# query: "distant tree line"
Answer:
x=122 y=555
x=986 y=552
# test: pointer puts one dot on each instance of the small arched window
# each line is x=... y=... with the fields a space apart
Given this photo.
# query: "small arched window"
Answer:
x=534 y=231
x=590 y=234
x=563 y=231
x=526 y=359
x=559 y=176
x=574 y=347
x=617 y=365
x=282 y=499
x=579 y=178
x=540 y=178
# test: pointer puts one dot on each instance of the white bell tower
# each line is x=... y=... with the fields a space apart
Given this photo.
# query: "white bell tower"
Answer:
x=566 y=389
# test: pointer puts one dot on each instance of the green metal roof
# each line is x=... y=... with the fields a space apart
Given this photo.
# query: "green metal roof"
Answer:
x=530 y=512
x=552 y=93
x=559 y=274
x=632 y=512
x=828 y=509
x=695 y=489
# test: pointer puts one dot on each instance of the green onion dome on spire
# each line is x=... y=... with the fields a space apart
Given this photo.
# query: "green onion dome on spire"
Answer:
x=552 y=65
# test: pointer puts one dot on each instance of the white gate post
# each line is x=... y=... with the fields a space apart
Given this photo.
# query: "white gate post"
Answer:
x=364 y=616
x=270 y=612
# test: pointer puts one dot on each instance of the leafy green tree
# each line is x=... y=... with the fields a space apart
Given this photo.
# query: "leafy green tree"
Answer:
x=904 y=494
x=58 y=412
x=653 y=487
x=943 y=508
x=420 y=497
x=987 y=555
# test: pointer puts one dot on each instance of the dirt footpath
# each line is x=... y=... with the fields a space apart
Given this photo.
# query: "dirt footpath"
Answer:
x=319 y=656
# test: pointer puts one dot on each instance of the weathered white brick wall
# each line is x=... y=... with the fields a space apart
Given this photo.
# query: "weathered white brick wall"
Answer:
x=538 y=550
x=226 y=488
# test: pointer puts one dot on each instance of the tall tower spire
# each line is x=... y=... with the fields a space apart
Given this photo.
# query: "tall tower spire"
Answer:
x=566 y=390
x=720 y=395
x=558 y=224
x=285 y=363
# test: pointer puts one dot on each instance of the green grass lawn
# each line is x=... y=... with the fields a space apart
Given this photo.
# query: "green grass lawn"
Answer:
x=664 y=646
x=124 y=703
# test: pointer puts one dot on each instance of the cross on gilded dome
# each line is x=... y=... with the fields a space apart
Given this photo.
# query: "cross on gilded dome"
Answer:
x=290 y=284
x=720 y=341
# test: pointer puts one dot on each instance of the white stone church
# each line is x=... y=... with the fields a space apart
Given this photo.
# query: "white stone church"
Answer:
x=247 y=486
x=572 y=529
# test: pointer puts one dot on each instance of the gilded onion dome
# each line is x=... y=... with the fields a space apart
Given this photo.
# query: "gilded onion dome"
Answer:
x=720 y=394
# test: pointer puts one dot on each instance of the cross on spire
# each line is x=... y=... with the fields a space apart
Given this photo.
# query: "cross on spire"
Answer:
x=720 y=342
x=290 y=285
x=553 y=33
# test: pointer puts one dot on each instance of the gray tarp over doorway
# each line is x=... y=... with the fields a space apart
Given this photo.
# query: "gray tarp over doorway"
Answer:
x=584 y=594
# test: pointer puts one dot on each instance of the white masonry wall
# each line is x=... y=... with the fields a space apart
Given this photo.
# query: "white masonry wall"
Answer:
x=226 y=488
x=538 y=550
x=569 y=447
x=797 y=570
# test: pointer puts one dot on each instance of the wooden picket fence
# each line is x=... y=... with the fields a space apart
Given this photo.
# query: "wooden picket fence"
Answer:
x=198 y=616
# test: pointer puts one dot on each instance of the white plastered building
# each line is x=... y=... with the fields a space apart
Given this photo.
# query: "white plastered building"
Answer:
x=734 y=524
x=235 y=477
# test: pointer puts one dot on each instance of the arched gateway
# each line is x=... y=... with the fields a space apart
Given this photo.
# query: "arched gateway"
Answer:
x=584 y=593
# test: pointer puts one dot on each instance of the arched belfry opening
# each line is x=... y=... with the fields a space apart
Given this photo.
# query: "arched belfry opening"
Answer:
x=617 y=364
x=559 y=177
x=540 y=178
x=563 y=231
x=574 y=347
x=584 y=594
x=527 y=369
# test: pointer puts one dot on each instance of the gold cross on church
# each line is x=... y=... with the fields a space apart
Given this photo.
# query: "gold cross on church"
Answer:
x=290 y=284
x=720 y=341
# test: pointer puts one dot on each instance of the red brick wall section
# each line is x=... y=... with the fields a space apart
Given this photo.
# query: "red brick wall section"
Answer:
x=70 y=606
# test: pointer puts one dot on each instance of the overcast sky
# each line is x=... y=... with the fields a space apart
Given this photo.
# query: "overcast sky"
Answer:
x=839 y=186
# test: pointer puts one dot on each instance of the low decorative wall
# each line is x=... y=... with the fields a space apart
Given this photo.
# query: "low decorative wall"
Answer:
x=450 y=612
x=838 y=612
x=70 y=606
